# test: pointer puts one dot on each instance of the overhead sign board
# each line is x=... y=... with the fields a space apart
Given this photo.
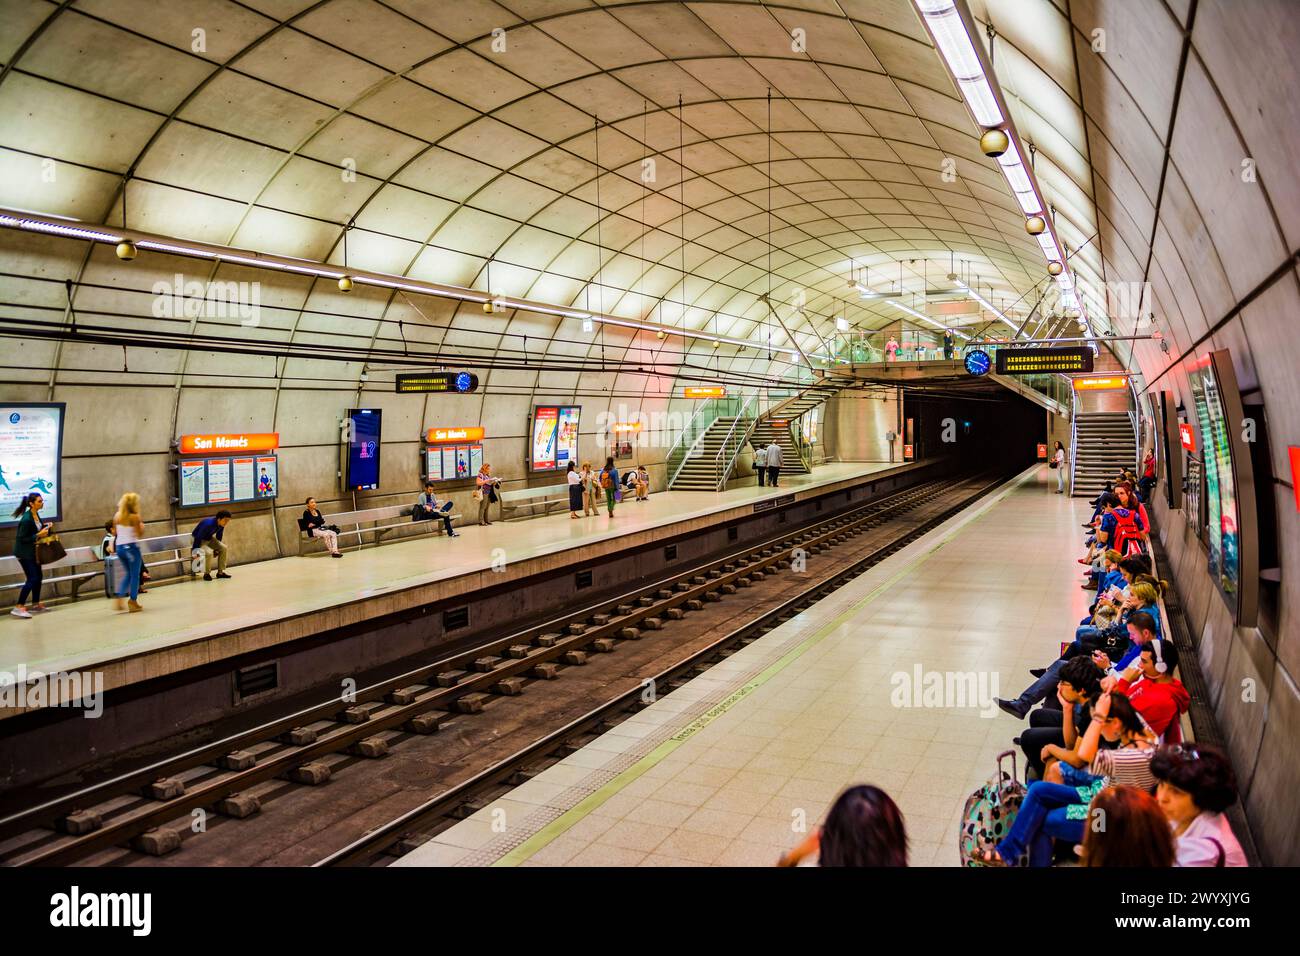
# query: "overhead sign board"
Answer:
x=705 y=391
x=1043 y=361
x=1100 y=384
x=440 y=436
x=207 y=444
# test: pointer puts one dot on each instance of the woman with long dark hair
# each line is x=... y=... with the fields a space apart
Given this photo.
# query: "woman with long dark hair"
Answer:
x=31 y=529
x=864 y=828
x=1058 y=456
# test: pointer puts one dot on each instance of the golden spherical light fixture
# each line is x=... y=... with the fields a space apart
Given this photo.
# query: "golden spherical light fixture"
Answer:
x=126 y=250
x=345 y=283
x=487 y=307
x=1055 y=268
x=1035 y=225
x=994 y=142
x=661 y=334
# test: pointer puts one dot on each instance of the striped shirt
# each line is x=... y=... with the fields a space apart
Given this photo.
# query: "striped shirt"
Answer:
x=1130 y=766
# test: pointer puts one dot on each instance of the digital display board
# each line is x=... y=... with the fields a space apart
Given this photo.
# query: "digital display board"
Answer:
x=1043 y=361
x=704 y=391
x=364 y=428
x=31 y=457
x=462 y=382
x=554 y=437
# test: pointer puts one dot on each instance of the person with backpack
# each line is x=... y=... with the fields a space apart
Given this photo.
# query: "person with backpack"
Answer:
x=609 y=483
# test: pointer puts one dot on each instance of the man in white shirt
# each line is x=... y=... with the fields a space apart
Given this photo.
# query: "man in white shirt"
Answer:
x=773 y=453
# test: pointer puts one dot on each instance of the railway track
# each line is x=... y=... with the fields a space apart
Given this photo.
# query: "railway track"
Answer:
x=149 y=812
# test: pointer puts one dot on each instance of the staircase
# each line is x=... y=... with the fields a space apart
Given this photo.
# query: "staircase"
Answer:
x=765 y=433
x=794 y=457
x=1104 y=443
x=699 y=470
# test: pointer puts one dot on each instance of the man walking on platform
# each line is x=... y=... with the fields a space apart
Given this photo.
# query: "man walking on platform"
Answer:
x=773 y=454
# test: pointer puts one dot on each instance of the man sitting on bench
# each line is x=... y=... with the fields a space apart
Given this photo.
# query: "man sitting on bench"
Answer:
x=427 y=507
x=207 y=536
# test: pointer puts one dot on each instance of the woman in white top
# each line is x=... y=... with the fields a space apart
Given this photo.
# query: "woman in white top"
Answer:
x=128 y=528
x=587 y=478
x=575 y=490
x=1058 y=456
x=1195 y=785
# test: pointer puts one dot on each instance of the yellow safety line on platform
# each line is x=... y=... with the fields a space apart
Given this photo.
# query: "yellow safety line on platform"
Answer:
x=581 y=810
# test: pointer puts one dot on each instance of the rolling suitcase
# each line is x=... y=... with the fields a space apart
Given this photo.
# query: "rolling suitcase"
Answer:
x=990 y=811
x=112 y=574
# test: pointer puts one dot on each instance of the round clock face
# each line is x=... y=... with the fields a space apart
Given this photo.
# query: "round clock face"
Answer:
x=462 y=382
x=978 y=362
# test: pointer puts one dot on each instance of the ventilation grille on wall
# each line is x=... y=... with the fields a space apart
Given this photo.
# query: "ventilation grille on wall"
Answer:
x=733 y=533
x=258 y=679
x=670 y=553
x=582 y=579
x=455 y=619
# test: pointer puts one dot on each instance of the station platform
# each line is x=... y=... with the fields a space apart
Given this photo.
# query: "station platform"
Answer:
x=722 y=770
x=269 y=603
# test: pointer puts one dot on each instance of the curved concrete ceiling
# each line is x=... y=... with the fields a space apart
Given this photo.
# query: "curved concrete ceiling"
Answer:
x=469 y=146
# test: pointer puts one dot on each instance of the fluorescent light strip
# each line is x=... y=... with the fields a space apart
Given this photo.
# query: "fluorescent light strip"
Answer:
x=988 y=305
x=950 y=36
x=925 y=318
x=304 y=267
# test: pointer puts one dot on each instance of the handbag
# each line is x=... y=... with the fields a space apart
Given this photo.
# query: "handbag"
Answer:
x=50 y=549
x=1053 y=463
x=478 y=493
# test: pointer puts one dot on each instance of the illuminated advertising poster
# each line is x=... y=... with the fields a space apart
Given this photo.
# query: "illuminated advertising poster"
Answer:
x=31 y=457
x=268 y=481
x=433 y=463
x=1220 y=490
x=566 y=443
x=545 y=421
x=218 y=480
x=242 y=477
x=194 y=483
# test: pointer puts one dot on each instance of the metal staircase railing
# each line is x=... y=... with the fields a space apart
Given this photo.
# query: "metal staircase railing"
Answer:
x=1074 y=439
x=695 y=426
x=735 y=439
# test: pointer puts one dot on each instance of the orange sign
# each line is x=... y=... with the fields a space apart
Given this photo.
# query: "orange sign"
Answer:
x=705 y=391
x=1099 y=384
x=437 y=436
x=207 y=444
x=1187 y=436
x=1042 y=451
x=907 y=452
x=619 y=428
x=779 y=422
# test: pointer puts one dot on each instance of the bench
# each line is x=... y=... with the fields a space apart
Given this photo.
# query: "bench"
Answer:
x=179 y=546
x=543 y=497
x=376 y=521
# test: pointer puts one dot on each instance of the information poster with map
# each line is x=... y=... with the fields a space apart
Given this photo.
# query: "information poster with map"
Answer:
x=31 y=458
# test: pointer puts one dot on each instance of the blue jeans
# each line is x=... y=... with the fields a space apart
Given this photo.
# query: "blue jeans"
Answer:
x=1087 y=632
x=1040 y=688
x=1041 y=819
x=132 y=561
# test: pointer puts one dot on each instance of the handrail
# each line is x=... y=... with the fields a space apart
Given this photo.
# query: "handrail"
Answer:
x=684 y=443
x=719 y=476
x=1074 y=438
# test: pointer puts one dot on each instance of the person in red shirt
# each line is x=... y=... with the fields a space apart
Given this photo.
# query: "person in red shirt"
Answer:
x=1151 y=687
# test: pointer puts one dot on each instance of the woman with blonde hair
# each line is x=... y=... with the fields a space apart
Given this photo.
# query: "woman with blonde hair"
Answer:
x=129 y=529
